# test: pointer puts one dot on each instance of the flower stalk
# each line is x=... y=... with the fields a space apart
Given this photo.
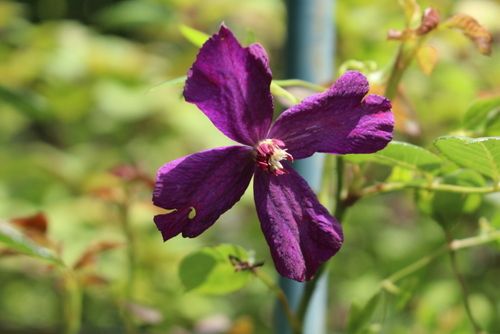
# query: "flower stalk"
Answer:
x=461 y=281
x=72 y=302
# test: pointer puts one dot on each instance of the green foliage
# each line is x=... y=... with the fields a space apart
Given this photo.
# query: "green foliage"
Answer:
x=360 y=316
x=481 y=154
x=18 y=242
x=448 y=208
x=196 y=37
x=483 y=117
x=210 y=270
x=403 y=155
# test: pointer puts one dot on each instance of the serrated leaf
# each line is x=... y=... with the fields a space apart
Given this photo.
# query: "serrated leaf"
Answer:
x=482 y=114
x=359 y=317
x=401 y=154
x=481 y=154
x=15 y=240
x=427 y=58
x=196 y=37
x=210 y=270
x=481 y=37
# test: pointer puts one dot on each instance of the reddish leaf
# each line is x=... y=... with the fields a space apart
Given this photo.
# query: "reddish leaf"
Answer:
x=93 y=279
x=130 y=173
x=90 y=255
x=36 y=223
x=430 y=20
x=481 y=37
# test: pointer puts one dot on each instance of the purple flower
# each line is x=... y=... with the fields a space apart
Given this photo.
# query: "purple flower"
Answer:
x=230 y=84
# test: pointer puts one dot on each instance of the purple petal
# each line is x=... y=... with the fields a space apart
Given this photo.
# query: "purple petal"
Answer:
x=201 y=187
x=299 y=230
x=231 y=85
x=337 y=121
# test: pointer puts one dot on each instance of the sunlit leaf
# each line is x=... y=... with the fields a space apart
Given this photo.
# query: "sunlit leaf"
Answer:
x=15 y=240
x=481 y=154
x=481 y=37
x=196 y=37
x=482 y=114
x=427 y=58
x=359 y=317
x=179 y=81
x=401 y=154
x=411 y=10
x=210 y=270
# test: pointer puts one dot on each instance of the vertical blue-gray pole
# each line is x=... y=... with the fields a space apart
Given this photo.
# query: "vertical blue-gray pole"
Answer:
x=310 y=56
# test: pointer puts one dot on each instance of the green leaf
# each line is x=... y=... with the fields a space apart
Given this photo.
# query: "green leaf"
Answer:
x=132 y=14
x=210 y=270
x=196 y=37
x=28 y=103
x=359 y=317
x=403 y=155
x=15 y=240
x=179 y=81
x=482 y=114
x=448 y=208
x=481 y=154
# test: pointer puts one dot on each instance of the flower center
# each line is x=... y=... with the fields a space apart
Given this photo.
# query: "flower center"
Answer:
x=269 y=154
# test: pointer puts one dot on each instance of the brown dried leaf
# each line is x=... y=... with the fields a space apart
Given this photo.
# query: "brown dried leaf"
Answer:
x=430 y=20
x=93 y=279
x=90 y=255
x=427 y=58
x=130 y=173
x=481 y=37
x=404 y=115
x=36 y=223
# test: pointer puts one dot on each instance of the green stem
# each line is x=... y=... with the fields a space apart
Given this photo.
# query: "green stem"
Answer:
x=389 y=187
x=277 y=90
x=299 y=83
x=406 y=53
x=131 y=257
x=389 y=283
x=294 y=321
x=72 y=309
x=461 y=282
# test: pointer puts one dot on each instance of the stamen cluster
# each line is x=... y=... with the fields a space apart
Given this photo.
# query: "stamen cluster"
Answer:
x=269 y=154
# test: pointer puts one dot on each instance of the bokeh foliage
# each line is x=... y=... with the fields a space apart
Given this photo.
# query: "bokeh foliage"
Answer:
x=81 y=93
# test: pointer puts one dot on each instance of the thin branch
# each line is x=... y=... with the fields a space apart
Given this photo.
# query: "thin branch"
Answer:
x=389 y=283
x=280 y=295
x=461 y=282
x=389 y=187
x=299 y=83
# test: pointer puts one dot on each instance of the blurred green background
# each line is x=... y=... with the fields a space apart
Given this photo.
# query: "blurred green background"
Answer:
x=81 y=93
